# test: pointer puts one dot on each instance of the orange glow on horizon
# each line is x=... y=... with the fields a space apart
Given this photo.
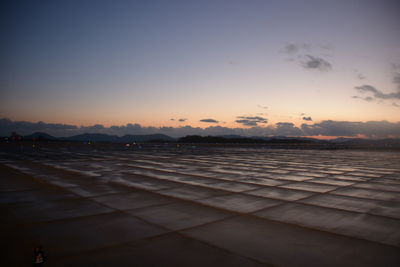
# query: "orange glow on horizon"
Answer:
x=325 y=137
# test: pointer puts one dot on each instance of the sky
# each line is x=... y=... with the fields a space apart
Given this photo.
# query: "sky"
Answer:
x=298 y=68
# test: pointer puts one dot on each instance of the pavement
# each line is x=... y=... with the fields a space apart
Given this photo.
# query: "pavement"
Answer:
x=225 y=207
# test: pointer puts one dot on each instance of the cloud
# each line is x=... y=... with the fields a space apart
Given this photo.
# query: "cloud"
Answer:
x=377 y=93
x=361 y=76
x=180 y=120
x=209 y=120
x=366 y=88
x=368 y=98
x=312 y=62
x=255 y=118
x=307 y=118
x=373 y=129
x=23 y=127
x=332 y=128
x=247 y=122
x=292 y=49
x=299 y=53
x=263 y=107
x=287 y=129
x=396 y=75
x=251 y=120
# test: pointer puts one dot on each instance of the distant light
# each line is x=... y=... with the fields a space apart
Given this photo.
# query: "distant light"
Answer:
x=127 y=145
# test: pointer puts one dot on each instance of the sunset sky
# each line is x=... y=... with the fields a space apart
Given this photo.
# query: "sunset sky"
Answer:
x=229 y=65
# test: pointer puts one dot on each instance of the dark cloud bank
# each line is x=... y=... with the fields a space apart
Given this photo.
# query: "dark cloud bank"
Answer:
x=372 y=129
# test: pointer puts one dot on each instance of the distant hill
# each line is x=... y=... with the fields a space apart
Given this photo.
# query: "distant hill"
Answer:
x=242 y=140
x=231 y=136
x=388 y=142
x=269 y=138
x=341 y=142
x=95 y=137
x=39 y=136
x=292 y=141
x=147 y=138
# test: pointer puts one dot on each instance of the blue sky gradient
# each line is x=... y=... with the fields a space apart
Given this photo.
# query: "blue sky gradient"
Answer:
x=147 y=62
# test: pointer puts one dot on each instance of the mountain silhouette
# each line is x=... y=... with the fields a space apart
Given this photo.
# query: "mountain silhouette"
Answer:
x=39 y=136
x=341 y=142
x=95 y=137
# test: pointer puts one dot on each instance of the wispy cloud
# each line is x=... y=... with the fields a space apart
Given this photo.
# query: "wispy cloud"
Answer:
x=294 y=48
x=396 y=75
x=251 y=120
x=209 y=120
x=291 y=49
x=247 y=122
x=318 y=63
x=180 y=120
x=367 y=98
x=361 y=76
x=377 y=93
x=301 y=54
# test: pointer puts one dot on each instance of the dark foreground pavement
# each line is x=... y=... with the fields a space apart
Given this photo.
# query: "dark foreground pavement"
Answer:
x=82 y=220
